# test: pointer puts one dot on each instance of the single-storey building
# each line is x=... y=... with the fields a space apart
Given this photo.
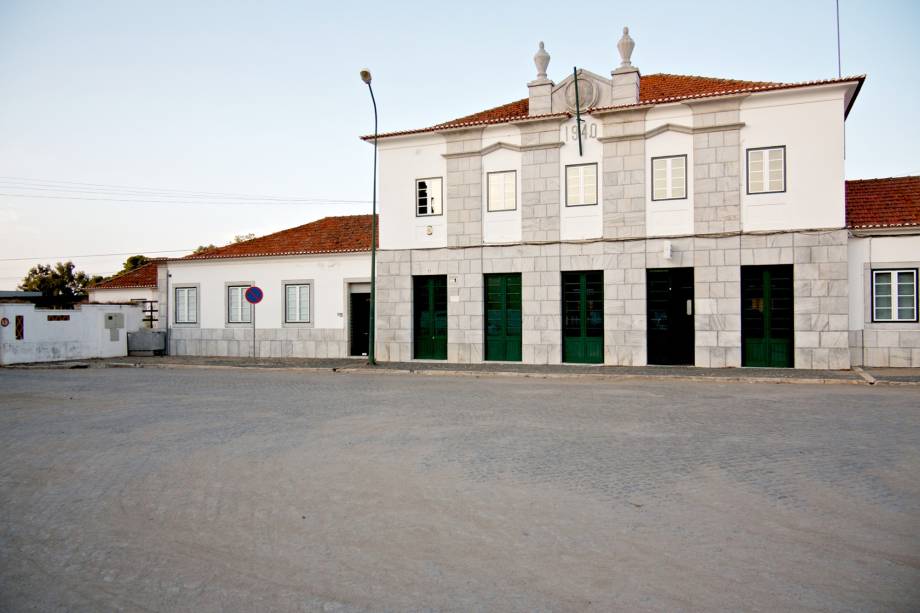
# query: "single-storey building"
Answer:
x=138 y=286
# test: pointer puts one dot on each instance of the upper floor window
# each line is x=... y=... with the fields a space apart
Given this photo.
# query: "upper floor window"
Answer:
x=502 y=195
x=428 y=197
x=297 y=303
x=894 y=295
x=238 y=311
x=186 y=305
x=669 y=178
x=581 y=185
x=766 y=170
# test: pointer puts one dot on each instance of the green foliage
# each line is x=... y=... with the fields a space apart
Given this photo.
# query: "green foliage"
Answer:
x=242 y=238
x=132 y=263
x=58 y=280
x=203 y=248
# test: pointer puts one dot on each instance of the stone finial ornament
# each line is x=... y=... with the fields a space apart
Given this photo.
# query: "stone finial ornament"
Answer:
x=541 y=60
x=625 y=47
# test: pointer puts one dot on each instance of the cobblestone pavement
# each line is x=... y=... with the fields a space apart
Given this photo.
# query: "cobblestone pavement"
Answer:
x=216 y=489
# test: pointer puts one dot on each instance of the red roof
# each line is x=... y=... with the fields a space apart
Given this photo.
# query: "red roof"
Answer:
x=142 y=276
x=347 y=234
x=883 y=203
x=653 y=89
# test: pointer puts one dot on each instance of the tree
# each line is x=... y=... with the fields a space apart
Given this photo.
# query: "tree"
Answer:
x=132 y=263
x=242 y=238
x=59 y=280
x=203 y=248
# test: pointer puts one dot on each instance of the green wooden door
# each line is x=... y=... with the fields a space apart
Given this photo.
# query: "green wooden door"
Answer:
x=503 y=317
x=767 y=316
x=430 y=315
x=583 y=317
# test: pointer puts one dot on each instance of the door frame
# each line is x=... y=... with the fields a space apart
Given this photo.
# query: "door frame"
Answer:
x=582 y=299
x=691 y=361
x=412 y=331
x=346 y=309
x=763 y=268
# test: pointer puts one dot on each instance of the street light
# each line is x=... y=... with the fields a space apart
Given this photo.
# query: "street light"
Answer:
x=366 y=77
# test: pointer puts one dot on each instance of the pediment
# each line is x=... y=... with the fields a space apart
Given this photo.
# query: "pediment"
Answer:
x=593 y=90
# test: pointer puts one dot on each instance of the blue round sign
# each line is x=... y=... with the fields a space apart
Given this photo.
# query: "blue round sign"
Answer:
x=254 y=295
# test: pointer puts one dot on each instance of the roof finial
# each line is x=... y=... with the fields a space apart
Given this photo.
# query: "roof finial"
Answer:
x=625 y=47
x=541 y=60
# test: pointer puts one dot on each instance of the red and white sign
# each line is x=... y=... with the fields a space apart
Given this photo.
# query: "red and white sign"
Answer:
x=4 y=322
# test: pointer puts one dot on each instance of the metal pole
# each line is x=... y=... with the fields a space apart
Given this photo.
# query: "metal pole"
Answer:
x=839 y=73
x=370 y=350
x=577 y=110
x=252 y=308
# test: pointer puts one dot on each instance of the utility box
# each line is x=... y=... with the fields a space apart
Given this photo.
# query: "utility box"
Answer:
x=147 y=342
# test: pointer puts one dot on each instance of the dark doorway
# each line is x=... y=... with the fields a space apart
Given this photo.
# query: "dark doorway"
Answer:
x=767 y=316
x=583 y=317
x=359 y=314
x=669 y=292
x=430 y=315
x=503 y=317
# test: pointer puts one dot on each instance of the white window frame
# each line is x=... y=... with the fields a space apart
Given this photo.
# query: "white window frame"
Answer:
x=505 y=178
x=765 y=170
x=435 y=204
x=285 y=315
x=668 y=161
x=583 y=196
x=190 y=316
x=240 y=287
x=894 y=295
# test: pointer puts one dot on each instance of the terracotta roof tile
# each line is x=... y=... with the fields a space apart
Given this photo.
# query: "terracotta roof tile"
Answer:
x=142 y=276
x=653 y=89
x=883 y=203
x=346 y=234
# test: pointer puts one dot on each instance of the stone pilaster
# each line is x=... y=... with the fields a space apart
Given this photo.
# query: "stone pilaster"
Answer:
x=624 y=304
x=463 y=201
x=540 y=181
x=624 y=174
x=716 y=167
x=393 y=308
x=717 y=301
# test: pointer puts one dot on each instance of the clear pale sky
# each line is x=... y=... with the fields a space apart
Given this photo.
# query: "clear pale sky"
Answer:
x=264 y=98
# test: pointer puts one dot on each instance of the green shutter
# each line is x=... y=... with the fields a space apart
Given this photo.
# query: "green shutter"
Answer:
x=503 y=317
x=583 y=317
x=430 y=315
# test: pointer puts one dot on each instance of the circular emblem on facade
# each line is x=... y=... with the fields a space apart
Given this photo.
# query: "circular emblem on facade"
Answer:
x=4 y=322
x=587 y=94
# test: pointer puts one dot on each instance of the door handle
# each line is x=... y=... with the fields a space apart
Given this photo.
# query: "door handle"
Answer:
x=690 y=307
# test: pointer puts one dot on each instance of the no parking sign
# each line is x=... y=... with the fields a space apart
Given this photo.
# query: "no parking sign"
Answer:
x=254 y=296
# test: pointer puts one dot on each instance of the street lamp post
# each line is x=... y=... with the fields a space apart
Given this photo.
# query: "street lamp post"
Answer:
x=366 y=77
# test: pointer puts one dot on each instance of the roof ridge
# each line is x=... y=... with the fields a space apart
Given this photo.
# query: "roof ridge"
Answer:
x=917 y=176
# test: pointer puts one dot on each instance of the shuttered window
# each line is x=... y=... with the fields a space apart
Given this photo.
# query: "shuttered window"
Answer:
x=766 y=170
x=581 y=185
x=238 y=309
x=502 y=191
x=894 y=295
x=297 y=303
x=669 y=178
x=186 y=305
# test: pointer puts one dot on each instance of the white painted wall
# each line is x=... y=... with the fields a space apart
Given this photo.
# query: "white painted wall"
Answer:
x=328 y=273
x=809 y=122
x=669 y=217
x=501 y=226
x=877 y=252
x=82 y=337
x=402 y=160
x=581 y=222
x=126 y=294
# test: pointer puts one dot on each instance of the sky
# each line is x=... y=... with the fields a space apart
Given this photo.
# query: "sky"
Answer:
x=155 y=127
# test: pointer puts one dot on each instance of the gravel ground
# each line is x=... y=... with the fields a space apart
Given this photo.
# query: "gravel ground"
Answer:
x=216 y=489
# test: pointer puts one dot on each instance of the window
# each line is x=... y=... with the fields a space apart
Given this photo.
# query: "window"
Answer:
x=428 y=197
x=297 y=303
x=581 y=185
x=186 y=305
x=238 y=308
x=766 y=170
x=502 y=191
x=669 y=178
x=894 y=295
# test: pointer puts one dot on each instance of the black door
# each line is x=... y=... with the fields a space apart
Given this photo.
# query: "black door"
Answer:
x=360 y=313
x=503 y=317
x=766 y=316
x=669 y=292
x=583 y=317
x=430 y=314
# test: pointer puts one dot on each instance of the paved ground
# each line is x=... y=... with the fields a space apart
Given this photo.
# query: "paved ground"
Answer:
x=201 y=490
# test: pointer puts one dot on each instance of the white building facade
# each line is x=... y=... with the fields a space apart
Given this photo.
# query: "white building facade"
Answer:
x=695 y=221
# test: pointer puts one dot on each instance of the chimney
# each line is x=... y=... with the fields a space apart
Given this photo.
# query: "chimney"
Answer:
x=626 y=76
x=541 y=88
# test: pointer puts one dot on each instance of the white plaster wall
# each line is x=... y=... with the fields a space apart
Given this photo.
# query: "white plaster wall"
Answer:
x=501 y=226
x=876 y=251
x=581 y=222
x=503 y=133
x=669 y=217
x=122 y=294
x=810 y=124
x=402 y=160
x=82 y=337
x=328 y=272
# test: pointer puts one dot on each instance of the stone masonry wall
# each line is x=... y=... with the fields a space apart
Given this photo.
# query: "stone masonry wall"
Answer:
x=463 y=200
x=716 y=167
x=540 y=181
x=271 y=343
x=624 y=174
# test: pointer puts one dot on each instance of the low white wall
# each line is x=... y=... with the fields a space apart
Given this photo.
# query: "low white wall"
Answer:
x=123 y=294
x=82 y=335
